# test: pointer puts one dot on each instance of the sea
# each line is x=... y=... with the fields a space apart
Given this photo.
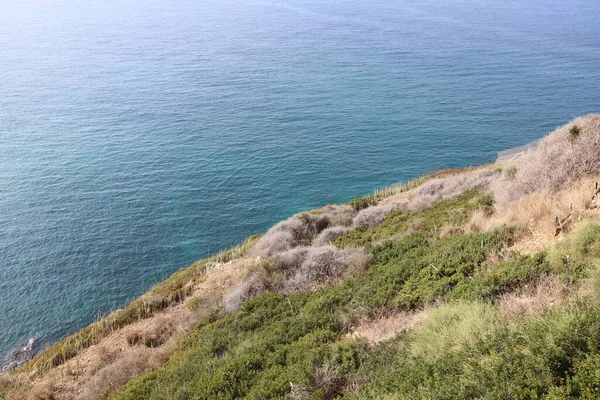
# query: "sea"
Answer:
x=137 y=136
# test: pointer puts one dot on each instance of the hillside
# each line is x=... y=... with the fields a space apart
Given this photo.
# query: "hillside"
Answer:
x=474 y=283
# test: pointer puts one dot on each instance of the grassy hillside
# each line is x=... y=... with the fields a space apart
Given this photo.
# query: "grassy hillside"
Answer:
x=456 y=285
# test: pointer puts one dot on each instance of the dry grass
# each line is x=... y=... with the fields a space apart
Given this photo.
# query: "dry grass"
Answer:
x=130 y=364
x=387 y=327
x=47 y=391
x=562 y=159
x=589 y=291
x=536 y=213
x=534 y=299
x=155 y=334
x=451 y=327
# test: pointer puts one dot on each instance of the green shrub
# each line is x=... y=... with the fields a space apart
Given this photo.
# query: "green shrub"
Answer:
x=295 y=339
x=574 y=131
x=466 y=351
x=276 y=346
x=573 y=255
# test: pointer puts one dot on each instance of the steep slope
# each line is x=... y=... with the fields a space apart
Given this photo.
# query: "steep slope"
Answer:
x=475 y=283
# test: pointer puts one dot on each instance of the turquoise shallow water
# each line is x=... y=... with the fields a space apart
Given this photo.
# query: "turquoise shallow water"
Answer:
x=139 y=136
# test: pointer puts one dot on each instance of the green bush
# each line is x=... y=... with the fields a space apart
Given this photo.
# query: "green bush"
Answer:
x=574 y=255
x=276 y=343
x=466 y=351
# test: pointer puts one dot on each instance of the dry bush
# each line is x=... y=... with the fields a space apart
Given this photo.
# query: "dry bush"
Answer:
x=297 y=230
x=561 y=159
x=358 y=260
x=301 y=268
x=328 y=381
x=450 y=187
x=319 y=265
x=241 y=292
x=299 y=392
x=132 y=363
x=157 y=332
x=388 y=326
x=329 y=235
x=534 y=299
x=339 y=215
x=42 y=391
x=372 y=216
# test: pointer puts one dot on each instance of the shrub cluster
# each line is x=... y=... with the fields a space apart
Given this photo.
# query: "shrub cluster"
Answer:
x=329 y=235
x=466 y=351
x=298 y=269
x=276 y=345
x=301 y=229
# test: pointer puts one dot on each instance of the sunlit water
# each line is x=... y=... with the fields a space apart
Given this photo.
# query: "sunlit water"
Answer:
x=139 y=136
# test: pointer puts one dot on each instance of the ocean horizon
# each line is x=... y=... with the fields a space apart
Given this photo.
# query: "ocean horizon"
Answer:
x=138 y=137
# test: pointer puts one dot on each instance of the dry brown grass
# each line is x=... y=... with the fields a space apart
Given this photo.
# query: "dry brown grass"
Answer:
x=387 y=327
x=534 y=299
x=130 y=364
x=536 y=212
x=157 y=332
x=47 y=391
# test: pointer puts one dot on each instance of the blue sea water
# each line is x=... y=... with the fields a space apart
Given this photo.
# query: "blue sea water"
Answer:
x=137 y=136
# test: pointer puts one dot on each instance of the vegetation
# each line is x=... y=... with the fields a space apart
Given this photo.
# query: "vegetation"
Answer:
x=562 y=158
x=294 y=345
x=437 y=261
x=466 y=351
x=453 y=212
